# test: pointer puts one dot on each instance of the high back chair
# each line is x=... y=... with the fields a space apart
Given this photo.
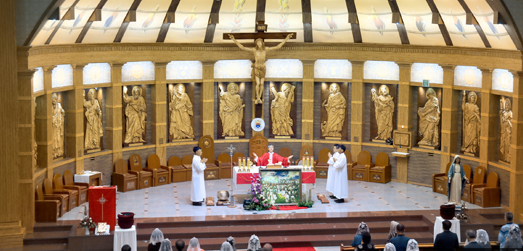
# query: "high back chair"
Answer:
x=360 y=170
x=58 y=185
x=122 y=178
x=82 y=187
x=488 y=194
x=439 y=181
x=477 y=179
x=63 y=195
x=224 y=162
x=145 y=178
x=380 y=173
x=47 y=207
x=179 y=172
x=161 y=174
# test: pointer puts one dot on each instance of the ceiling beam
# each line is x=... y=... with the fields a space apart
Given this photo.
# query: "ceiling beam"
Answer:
x=307 y=20
x=214 y=18
x=354 y=21
x=95 y=16
x=471 y=20
x=53 y=6
x=398 y=20
x=167 y=21
x=130 y=17
x=507 y=21
x=436 y=19
x=67 y=16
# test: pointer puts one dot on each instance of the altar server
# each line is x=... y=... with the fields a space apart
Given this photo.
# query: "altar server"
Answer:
x=332 y=171
x=198 y=182
x=341 y=183
x=270 y=158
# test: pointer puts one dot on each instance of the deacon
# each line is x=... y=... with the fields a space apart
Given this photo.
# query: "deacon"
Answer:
x=341 y=183
x=332 y=170
x=197 y=183
x=271 y=158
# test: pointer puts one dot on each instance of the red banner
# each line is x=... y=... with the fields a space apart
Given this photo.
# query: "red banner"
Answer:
x=102 y=205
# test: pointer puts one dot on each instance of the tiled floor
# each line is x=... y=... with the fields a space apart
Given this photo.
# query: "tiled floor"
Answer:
x=174 y=200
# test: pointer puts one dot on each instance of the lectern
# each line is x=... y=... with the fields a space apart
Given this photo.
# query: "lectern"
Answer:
x=102 y=205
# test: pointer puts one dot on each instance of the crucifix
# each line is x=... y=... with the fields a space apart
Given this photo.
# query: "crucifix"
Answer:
x=259 y=51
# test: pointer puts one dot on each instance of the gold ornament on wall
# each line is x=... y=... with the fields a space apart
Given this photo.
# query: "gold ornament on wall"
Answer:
x=281 y=109
x=384 y=107
x=231 y=111
x=471 y=123
x=135 y=114
x=181 y=110
x=94 y=127
x=429 y=117
x=335 y=106
x=505 y=112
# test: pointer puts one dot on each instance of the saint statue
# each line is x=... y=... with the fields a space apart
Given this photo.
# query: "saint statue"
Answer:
x=58 y=127
x=94 y=129
x=181 y=111
x=258 y=68
x=506 y=128
x=384 y=110
x=471 y=123
x=456 y=180
x=135 y=114
x=429 y=117
x=281 y=109
x=231 y=111
x=335 y=106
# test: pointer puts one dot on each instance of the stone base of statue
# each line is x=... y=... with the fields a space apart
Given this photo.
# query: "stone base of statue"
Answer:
x=333 y=138
x=232 y=137
x=136 y=144
x=94 y=150
x=282 y=137
x=470 y=154
x=427 y=147
x=378 y=141
x=178 y=140
x=58 y=158
x=504 y=162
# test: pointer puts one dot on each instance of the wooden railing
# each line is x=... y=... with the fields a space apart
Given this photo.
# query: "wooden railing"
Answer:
x=422 y=246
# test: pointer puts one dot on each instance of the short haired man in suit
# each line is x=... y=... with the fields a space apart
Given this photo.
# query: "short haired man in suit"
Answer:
x=447 y=240
x=400 y=241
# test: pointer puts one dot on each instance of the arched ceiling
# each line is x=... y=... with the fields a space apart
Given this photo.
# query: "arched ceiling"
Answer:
x=463 y=23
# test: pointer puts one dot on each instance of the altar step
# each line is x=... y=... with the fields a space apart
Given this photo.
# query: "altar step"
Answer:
x=48 y=237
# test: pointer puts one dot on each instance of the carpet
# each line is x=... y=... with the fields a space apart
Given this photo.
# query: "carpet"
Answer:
x=287 y=208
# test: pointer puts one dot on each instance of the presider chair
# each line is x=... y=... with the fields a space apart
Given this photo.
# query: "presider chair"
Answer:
x=47 y=207
x=58 y=185
x=82 y=187
x=122 y=178
x=161 y=174
x=64 y=196
x=179 y=172
x=360 y=171
x=145 y=178
x=380 y=173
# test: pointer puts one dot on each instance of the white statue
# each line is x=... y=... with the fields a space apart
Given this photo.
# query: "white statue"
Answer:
x=135 y=114
x=429 y=116
x=181 y=112
x=384 y=111
x=58 y=127
x=94 y=128
x=231 y=111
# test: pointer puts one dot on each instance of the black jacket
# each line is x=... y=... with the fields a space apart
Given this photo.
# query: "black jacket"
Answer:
x=446 y=241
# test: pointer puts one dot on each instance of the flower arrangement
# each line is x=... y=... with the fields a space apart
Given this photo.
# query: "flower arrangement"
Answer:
x=87 y=222
x=258 y=202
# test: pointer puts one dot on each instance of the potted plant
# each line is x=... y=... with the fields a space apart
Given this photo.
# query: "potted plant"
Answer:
x=88 y=224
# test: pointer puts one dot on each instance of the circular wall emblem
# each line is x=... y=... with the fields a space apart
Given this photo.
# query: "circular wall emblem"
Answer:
x=257 y=124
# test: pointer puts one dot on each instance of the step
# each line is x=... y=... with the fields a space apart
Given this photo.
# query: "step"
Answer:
x=45 y=247
x=53 y=237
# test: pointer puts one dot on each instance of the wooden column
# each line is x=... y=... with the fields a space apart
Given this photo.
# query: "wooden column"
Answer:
x=11 y=230
x=207 y=99
x=74 y=109
x=516 y=148
x=489 y=121
x=404 y=103
x=26 y=141
x=159 y=116
x=307 y=104
x=449 y=117
x=44 y=123
x=357 y=107
x=113 y=109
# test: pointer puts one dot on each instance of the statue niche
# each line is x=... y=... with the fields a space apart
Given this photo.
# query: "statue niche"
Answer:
x=505 y=114
x=135 y=115
x=231 y=111
x=471 y=123
x=93 y=127
x=429 y=117
x=335 y=106
x=58 y=127
x=281 y=105
x=383 y=112
x=181 y=111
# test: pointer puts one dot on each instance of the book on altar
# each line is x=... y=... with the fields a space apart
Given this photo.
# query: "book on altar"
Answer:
x=274 y=166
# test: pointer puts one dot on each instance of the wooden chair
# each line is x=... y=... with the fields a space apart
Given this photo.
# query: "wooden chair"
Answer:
x=286 y=152
x=360 y=170
x=439 y=181
x=321 y=166
x=64 y=196
x=306 y=151
x=187 y=163
x=83 y=187
x=479 y=178
x=380 y=173
x=145 y=178
x=350 y=164
x=58 y=185
x=178 y=171
x=161 y=174
x=489 y=194
x=122 y=178
x=212 y=172
x=235 y=158
x=47 y=207
x=224 y=163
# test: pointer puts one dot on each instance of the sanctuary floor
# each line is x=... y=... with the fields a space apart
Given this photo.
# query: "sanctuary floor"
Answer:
x=173 y=200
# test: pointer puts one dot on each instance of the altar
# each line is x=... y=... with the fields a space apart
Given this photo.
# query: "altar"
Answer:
x=307 y=177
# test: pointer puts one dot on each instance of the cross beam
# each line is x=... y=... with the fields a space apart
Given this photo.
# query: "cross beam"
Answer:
x=261 y=29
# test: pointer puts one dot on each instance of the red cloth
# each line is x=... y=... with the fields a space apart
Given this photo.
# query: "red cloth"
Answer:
x=308 y=177
x=102 y=205
x=287 y=208
x=264 y=160
x=246 y=178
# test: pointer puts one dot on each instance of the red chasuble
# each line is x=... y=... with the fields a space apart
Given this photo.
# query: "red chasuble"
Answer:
x=264 y=160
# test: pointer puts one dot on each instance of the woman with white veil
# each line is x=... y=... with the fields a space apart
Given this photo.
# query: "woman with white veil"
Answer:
x=412 y=245
x=389 y=247
x=194 y=245
x=393 y=232
x=254 y=243
x=514 y=238
x=483 y=239
x=156 y=240
x=226 y=246
x=357 y=238
x=166 y=245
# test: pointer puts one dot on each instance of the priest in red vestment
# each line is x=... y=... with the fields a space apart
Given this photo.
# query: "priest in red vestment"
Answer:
x=270 y=158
